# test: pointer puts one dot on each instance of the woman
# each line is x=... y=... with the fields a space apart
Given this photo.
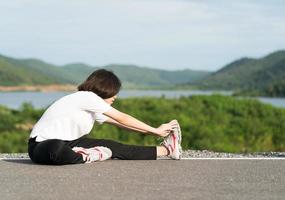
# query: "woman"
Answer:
x=58 y=138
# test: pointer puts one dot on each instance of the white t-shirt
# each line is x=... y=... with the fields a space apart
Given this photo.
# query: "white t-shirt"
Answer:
x=71 y=117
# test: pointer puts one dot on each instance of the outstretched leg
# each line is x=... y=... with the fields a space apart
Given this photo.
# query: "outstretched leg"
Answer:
x=119 y=150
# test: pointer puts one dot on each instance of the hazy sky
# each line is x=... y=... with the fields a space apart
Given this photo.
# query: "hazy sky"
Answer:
x=169 y=34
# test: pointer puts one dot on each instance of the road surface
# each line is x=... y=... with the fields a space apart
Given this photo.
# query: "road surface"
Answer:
x=160 y=179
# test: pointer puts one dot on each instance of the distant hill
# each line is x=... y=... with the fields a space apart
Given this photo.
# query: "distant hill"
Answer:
x=264 y=76
x=15 y=72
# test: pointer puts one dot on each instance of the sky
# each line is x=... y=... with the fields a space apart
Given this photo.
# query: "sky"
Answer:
x=164 y=34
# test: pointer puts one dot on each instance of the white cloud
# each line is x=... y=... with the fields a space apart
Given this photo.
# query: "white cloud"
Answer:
x=158 y=33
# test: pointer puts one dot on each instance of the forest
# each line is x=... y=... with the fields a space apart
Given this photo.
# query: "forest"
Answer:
x=216 y=122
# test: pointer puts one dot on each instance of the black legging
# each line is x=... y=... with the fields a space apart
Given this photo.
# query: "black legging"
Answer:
x=59 y=152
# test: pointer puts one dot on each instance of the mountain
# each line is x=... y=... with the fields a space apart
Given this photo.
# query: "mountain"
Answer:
x=15 y=72
x=248 y=75
x=12 y=72
x=135 y=76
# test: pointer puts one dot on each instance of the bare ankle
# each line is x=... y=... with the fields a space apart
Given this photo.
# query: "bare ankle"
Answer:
x=162 y=151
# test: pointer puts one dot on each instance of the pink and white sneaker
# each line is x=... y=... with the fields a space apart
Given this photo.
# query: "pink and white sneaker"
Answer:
x=93 y=154
x=173 y=143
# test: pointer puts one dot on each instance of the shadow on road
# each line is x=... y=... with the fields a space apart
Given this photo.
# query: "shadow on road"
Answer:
x=20 y=161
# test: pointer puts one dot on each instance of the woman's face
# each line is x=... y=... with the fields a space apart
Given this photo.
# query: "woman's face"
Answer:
x=110 y=100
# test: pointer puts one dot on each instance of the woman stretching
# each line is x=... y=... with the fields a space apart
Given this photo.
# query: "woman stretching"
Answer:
x=58 y=137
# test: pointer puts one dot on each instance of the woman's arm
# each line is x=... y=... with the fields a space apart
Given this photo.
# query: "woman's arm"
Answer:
x=135 y=124
x=112 y=121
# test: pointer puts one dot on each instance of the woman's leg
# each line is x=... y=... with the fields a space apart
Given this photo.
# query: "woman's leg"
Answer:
x=119 y=150
x=53 y=152
x=162 y=151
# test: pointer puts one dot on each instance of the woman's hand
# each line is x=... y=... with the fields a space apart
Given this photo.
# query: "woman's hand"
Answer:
x=164 y=129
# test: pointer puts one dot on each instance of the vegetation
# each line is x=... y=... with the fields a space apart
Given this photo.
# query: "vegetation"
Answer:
x=219 y=123
x=259 y=77
x=275 y=89
x=14 y=72
x=246 y=76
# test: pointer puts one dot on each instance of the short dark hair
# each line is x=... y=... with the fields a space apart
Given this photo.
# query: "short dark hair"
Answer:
x=102 y=82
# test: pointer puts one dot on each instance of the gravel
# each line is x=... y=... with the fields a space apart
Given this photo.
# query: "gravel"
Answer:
x=14 y=156
x=185 y=154
x=211 y=154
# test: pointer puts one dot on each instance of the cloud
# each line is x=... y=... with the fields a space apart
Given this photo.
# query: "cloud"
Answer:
x=160 y=33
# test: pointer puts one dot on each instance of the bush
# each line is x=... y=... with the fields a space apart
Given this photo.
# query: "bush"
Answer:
x=218 y=123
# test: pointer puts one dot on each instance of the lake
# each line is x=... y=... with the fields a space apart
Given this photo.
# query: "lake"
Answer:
x=43 y=99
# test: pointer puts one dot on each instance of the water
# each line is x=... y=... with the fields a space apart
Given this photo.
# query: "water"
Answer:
x=44 y=99
x=277 y=102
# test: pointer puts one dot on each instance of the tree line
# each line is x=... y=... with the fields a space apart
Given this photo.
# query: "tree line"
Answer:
x=218 y=123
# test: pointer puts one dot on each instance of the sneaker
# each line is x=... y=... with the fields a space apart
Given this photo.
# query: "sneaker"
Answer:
x=173 y=144
x=93 y=154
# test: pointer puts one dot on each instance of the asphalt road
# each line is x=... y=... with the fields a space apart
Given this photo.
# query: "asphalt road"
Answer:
x=160 y=179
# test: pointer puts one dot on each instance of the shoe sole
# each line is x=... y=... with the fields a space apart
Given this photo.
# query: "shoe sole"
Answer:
x=179 y=141
x=105 y=152
x=178 y=155
x=179 y=134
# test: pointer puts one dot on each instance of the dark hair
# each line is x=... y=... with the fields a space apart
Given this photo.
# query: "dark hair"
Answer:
x=102 y=82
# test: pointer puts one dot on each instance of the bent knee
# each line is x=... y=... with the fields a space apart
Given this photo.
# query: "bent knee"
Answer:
x=48 y=151
x=55 y=149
